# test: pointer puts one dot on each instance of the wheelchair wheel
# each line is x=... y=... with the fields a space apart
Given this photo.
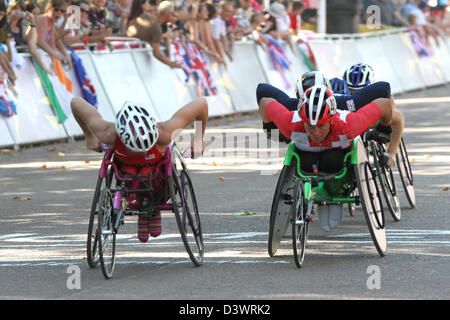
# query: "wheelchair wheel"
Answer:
x=370 y=201
x=406 y=176
x=186 y=213
x=92 y=244
x=300 y=212
x=280 y=213
x=106 y=233
x=386 y=180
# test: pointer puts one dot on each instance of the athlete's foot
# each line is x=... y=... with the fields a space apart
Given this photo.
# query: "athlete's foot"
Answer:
x=143 y=228
x=154 y=224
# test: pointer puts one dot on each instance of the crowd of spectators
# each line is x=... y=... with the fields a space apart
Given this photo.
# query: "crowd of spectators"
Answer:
x=51 y=26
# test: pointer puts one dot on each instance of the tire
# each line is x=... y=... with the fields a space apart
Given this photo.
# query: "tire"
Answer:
x=300 y=211
x=280 y=213
x=106 y=233
x=370 y=200
x=386 y=181
x=187 y=216
x=93 y=257
x=406 y=176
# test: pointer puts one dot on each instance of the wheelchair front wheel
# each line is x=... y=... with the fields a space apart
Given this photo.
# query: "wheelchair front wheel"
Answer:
x=386 y=180
x=300 y=211
x=406 y=176
x=280 y=213
x=93 y=257
x=106 y=233
x=186 y=214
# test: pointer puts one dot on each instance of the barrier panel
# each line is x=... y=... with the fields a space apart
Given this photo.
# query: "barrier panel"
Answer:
x=404 y=62
x=121 y=81
x=134 y=74
x=221 y=103
x=327 y=57
x=165 y=90
x=104 y=105
x=5 y=136
x=244 y=73
x=372 y=51
x=35 y=121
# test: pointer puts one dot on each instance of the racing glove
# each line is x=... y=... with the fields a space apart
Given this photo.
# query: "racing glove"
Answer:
x=268 y=127
x=381 y=134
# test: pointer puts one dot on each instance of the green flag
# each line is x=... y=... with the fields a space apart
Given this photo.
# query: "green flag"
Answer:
x=48 y=88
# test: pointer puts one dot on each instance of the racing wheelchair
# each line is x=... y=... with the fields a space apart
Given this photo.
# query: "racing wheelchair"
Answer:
x=174 y=192
x=297 y=194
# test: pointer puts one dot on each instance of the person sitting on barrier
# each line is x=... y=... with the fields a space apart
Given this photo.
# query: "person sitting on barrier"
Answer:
x=139 y=142
x=360 y=76
x=48 y=38
x=323 y=134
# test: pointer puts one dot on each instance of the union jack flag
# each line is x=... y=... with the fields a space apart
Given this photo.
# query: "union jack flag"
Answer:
x=278 y=58
x=182 y=57
x=200 y=72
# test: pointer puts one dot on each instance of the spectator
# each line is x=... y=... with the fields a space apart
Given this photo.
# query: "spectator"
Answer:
x=258 y=24
x=15 y=13
x=244 y=12
x=98 y=17
x=296 y=16
x=119 y=10
x=277 y=10
x=146 y=26
x=389 y=13
x=200 y=31
x=30 y=32
x=219 y=30
x=48 y=39
x=4 y=60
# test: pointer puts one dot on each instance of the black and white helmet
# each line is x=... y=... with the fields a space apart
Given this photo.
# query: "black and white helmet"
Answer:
x=137 y=130
x=358 y=76
x=309 y=79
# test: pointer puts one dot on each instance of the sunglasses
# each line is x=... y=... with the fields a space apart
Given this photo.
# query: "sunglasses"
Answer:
x=84 y=10
x=59 y=10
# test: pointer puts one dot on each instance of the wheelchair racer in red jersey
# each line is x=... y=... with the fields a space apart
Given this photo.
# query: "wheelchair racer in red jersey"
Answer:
x=323 y=134
x=139 y=142
x=361 y=98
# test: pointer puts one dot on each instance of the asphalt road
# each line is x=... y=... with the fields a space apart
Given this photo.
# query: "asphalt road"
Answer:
x=46 y=193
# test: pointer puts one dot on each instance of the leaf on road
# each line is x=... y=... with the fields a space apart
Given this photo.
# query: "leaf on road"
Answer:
x=44 y=167
x=21 y=198
x=445 y=189
x=61 y=154
x=245 y=213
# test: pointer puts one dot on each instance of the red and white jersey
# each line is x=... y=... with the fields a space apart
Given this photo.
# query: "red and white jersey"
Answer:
x=345 y=126
x=122 y=153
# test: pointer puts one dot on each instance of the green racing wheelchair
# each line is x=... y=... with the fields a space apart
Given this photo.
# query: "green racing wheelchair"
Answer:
x=297 y=193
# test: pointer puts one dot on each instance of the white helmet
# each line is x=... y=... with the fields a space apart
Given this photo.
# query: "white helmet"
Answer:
x=358 y=76
x=309 y=79
x=136 y=128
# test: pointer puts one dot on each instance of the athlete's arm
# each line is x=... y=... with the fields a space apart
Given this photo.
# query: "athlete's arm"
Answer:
x=94 y=127
x=358 y=122
x=363 y=97
x=265 y=90
x=271 y=110
x=196 y=110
